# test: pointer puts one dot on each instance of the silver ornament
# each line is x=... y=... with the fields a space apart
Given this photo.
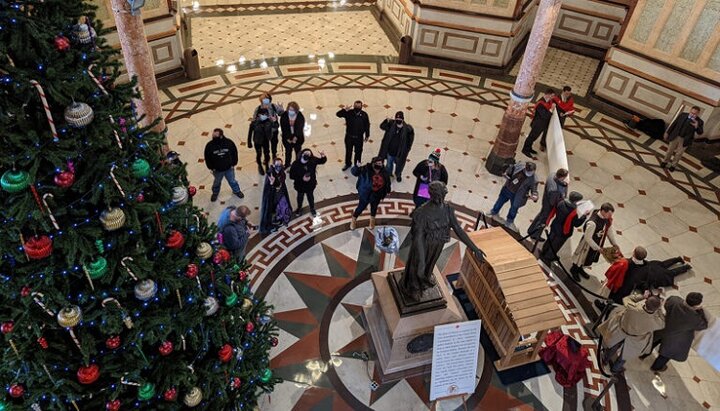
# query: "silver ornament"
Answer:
x=179 y=195
x=145 y=290
x=211 y=306
x=79 y=114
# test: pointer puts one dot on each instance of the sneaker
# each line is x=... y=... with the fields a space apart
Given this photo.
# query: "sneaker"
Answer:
x=345 y=167
x=298 y=213
x=239 y=194
x=214 y=197
x=533 y=151
x=663 y=164
x=490 y=214
x=314 y=213
x=399 y=179
x=511 y=226
x=671 y=168
x=600 y=304
x=527 y=153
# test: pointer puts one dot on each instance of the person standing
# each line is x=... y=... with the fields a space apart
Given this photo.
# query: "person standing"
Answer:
x=275 y=209
x=426 y=172
x=292 y=125
x=596 y=230
x=273 y=111
x=357 y=131
x=304 y=173
x=680 y=135
x=236 y=232
x=565 y=104
x=221 y=157
x=260 y=134
x=540 y=122
x=373 y=185
x=555 y=191
x=521 y=184
x=682 y=319
x=564 y=219
x=396 y=143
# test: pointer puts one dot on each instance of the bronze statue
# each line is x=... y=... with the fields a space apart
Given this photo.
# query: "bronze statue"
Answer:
x=429 y=231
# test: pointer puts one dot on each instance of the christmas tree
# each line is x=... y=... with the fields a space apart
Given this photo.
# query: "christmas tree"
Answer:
x=114 y=293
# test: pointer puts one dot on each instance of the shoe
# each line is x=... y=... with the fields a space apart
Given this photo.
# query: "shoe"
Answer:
x=579 y=272
x=214 y=197
x=345 y=167
x=644 y=356
x=353 y=223
x=261 y=170
x=671 y=168
x=298 y=213
x=399 y=179
x=527 y=153
x=575 y=276
x=663 y=369
x=542 y=148
x=600 y=304
x=490 y=214
x=533 y=151
x=314 y=213
x=372 y=223
x=583 y=274
x=663 y=164
x=239 y=194
x=512 y=226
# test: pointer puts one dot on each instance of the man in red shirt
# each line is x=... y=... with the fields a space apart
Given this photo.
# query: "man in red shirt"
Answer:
x=541 y=120
x=565 y=104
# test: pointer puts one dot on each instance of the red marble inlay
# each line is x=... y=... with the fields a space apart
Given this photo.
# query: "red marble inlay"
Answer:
x=696 y=379
x=708 y=280
x=642 y=192
x=617 y=177
x=642 y=221
x=693 y=229
x=667 y=209
x=593 y=164
x=205 y=133
x=621 y=205
x=665 y=239
x=477 y=120
x=181 y=143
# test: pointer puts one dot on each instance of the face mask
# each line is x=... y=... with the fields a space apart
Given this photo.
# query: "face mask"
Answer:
x=278 y=166
x=292 y=113
x=399 y=123
x=377 y=166
x=357 y=109
x=266 y=101
x=263 y=117
x=305 y=157
x=529 y=173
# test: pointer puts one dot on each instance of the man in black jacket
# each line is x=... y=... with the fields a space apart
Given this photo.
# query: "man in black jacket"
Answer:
x=396 y=143
x=564 y=219
x=540 y=121
x=260 y=134
x=680 y=135
x=555 y=191
x=357 y=131
x=221 y=157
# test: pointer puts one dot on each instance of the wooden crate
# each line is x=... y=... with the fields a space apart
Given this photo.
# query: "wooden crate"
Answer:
x=511 y=295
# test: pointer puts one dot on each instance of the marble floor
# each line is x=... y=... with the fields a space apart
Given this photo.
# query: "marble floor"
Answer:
x=671 y=214
x=563 y=68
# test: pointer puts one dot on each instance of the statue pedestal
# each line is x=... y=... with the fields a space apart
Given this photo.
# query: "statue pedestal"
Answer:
x=403 y=344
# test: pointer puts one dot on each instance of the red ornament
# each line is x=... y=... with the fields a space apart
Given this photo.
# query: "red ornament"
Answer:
x=89 y=374
x=38 y=247
x=140 y=197
x=7 y=327
x=192 y=191
x=249 y=327
x=113 y=405
x=166 y=348
x=225 y=353
x=25 y=291
x=274 y=341
x=191 y=271
x=236 y=383
x=170 y=394
x=64 y=179
x=16 y=391
x=43 y=343
x=113 y=342
x=61 y=43
x=243 y=275
x=176 y=240
x=221 y=256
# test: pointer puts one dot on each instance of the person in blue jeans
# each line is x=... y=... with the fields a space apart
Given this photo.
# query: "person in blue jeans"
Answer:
x=221 y=157
x=373 y=185
x=521 y=184
x=396 y=143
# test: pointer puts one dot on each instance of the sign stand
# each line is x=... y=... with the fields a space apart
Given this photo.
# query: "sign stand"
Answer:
x=433 y=407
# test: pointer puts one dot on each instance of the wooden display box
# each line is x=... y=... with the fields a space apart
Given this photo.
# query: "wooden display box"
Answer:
x=511 y=295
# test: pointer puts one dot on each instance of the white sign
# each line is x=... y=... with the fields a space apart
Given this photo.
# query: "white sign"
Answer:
x=454 y=361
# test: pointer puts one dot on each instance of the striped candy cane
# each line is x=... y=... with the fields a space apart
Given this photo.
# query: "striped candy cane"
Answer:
x=52 y=217
x=48 y=114
x=102 y=88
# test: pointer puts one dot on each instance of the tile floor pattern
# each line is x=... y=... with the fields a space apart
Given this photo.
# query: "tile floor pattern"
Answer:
x=256 y=37
x=671 y=214
x=558 y=63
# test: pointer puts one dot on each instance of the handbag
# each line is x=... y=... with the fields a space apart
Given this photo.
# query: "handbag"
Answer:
x=387 y=239
x=424 y=188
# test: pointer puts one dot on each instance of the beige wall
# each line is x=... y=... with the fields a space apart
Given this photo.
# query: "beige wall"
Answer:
x=590 y=22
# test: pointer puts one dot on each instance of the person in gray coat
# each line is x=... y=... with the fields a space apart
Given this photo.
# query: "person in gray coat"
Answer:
x=236 y=232
x=521 y=184
x=682 y=319
x=555 y=191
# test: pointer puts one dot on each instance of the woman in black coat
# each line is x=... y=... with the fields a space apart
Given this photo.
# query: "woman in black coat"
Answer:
x=304 y=173
x=292 y=123
x=426 y=172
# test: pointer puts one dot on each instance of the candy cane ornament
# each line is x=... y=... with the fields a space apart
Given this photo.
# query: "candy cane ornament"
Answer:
x=46 y=106
x=104 y=91
x=117 y=184
x=126 y=318
x=122 y=263
x=52 y=217
x=36 y=297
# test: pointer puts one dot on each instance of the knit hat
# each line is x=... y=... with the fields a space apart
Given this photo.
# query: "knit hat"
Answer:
x=694 y=299
x=575 y=197
x=435 y=155
x=399 y=114
x=652 y=303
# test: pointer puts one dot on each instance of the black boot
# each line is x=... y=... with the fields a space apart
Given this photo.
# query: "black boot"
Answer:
x=261 y=170
x=578 y=272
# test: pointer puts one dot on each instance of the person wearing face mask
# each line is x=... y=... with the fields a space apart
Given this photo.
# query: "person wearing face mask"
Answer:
x=540 y=122
x=373 y=185
x=236 y=231
x=275 y=209
x=680 y=135
x=521 y=184
x=564 y=219
x=426 y=172
x=555 y=191
x=396 y=143
x=304 y=174
x=597 y=228
x=221 y=157
x=292 y=124
x=273 y=112
x=259 y=135
x=357 y=131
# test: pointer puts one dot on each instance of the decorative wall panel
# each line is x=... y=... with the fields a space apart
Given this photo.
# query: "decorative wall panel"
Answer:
x=648 y=16
x=678 y=18
x=706 y=25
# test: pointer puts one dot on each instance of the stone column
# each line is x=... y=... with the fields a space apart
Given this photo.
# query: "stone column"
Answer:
x=522 y=93
x=138 y=62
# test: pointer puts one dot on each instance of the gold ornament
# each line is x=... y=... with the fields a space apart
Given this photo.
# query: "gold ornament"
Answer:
x=69 y=317
x=112 y=219
x=247 y=304
x=193 y=398
x=204 y=251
